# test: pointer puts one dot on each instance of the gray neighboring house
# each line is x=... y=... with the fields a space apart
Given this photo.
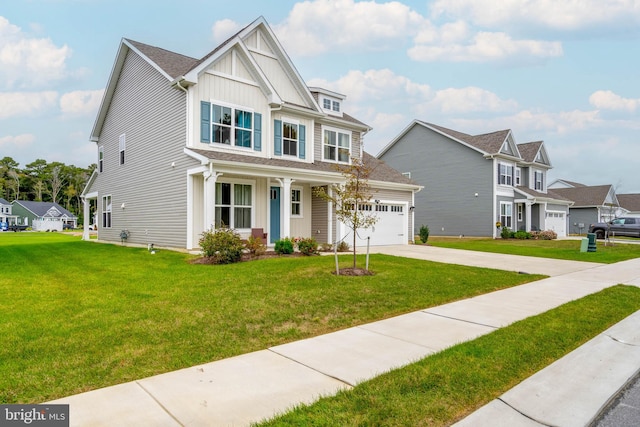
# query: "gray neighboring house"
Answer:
x=630 y=203
x=6 y=216
x=591 y=203
x=235 y=138
x=473 y=182
x=43 y=216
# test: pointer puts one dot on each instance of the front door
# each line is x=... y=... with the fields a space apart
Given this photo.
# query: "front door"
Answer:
x=274 y=232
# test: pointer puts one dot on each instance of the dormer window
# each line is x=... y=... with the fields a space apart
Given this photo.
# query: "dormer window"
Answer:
x=335 y=106
x=326 y=104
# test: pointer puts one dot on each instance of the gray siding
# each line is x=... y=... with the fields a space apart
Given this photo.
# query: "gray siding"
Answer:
x=152 y=116
x=320 y=219
x=584 y=216
x=451 y=174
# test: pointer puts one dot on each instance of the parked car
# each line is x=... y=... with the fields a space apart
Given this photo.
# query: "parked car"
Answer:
x=625 y=226
x=17 y=227
x=67 y=226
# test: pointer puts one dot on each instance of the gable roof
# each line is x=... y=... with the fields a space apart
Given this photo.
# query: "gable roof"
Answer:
x=585 y=196
x=172 y=64
x=567 y=183
x=549 y=195
x=4 y=202
x=630 y=202
x=487 y=144
x=40 y=209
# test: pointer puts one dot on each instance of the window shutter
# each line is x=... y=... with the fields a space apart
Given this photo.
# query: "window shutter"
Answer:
x=205 y=122
x=277 y=137
x=301 y=141
x=257 y=131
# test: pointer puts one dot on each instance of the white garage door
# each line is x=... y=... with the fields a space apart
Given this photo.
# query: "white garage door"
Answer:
x=390 y=228
x=556 y=221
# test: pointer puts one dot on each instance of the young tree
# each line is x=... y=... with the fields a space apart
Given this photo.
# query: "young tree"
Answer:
x=350 y=198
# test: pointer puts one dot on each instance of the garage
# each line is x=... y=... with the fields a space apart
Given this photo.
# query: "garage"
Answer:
x=556 y=221
x=390 y=228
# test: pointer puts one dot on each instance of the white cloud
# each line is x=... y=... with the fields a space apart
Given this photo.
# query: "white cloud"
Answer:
x=81 y=102
x=224 y=29
x=607 y=100
x=18 y=141
x=563 y=15
x=481 y=47
x=319 y=26
x=22 y=104
x=470 y=99
x=29 y=62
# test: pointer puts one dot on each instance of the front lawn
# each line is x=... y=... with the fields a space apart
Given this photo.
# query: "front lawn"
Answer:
x=443 y=388
x=557 y=249
x=76 y=316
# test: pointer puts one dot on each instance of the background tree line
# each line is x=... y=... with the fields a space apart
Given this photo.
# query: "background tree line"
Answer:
x=41 y=181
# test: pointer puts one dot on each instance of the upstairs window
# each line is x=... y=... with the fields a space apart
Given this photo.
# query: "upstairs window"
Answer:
x=336 y=146
x=539 y=181
x=289 y=139
x=326 y=104
x=335 y=106
x=505 y=174
x=106 y=211
x=517 y=178
x=101 y=159
x=229 y=125
x=123 y=146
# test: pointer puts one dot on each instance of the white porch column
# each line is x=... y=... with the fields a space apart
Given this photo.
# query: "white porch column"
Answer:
x=210 y=179
x=286 y=206
x=85 y=223
x=527 y=214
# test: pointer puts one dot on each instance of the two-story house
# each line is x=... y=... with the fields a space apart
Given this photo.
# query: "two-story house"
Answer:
x=235 y=138
x=473 y=182
x=6 y=216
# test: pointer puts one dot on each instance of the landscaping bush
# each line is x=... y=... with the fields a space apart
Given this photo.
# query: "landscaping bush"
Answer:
x=223 y=245
x=284 y=246
x=506 y=233
x=307 y=245
x=424 y=233
x=522 y=235
x=326 y=247
x=544 y=235
x=255 y=246
x=343 y=246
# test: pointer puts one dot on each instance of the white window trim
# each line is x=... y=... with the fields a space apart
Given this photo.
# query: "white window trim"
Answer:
x=517 y=176
x=122 y=146
x=506 y=165
x=108 y=209
x=535 y=181
x=301 y=202
x=337 y=130
x=291 y=122
x=506 y=216
x=234 y=181
x=101 y=159
x=520 y=212
x=232 y=141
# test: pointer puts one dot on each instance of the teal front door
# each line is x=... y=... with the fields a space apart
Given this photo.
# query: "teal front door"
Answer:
x=274 y=233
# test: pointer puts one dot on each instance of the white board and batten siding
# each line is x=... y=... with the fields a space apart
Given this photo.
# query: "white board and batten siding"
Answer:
x=148 y=191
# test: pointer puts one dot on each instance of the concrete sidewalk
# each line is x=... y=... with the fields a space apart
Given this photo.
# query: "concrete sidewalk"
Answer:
x=247 y=388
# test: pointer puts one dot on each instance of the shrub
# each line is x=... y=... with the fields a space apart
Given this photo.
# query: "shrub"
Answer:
x=326 y=247
x=545 y=235
x=255 y=246
x=223 y=245
x=506 y=233
x=522 y=235
x=424 y=233
x=307 y=245
x=284 y=246
x=343 y=246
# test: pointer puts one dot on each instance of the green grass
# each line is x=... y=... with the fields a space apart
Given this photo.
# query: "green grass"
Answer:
x=76 y=316
x=557 y=249
x=445 y=387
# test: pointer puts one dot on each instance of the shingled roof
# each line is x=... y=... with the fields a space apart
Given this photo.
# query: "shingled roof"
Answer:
x=490 y=143
x=585 y=196
x=630 y=202
x=529 y=150
x=380 y=171
x=174 y=64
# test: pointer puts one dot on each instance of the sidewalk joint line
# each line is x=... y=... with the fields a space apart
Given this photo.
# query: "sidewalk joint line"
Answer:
x=461 y=320
x=313 y=369
x=159 y=404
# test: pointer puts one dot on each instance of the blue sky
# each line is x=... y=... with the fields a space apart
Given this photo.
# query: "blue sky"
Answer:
x=565 y=72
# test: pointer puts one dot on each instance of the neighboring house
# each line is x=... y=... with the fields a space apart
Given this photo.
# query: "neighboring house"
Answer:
x=43 y=216
x=591 y=204
x=6 y=216
x=630 y=203
x=473 y=182
x=234 y=138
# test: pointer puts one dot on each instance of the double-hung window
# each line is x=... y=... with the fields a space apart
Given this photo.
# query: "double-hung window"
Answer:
x=233 y=205
x=230 y=125
x=123 y=145
x=296 y=202
x=538 y=180
x=101 y=159
x=518 y=177
x=505 y=174
x=106 y=211
x=336 y=146
x=289 y=139
x=506 y=211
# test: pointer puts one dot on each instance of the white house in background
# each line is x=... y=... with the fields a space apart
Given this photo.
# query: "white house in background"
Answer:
x=235 y=137
x=473 y=182
x=43 y=216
